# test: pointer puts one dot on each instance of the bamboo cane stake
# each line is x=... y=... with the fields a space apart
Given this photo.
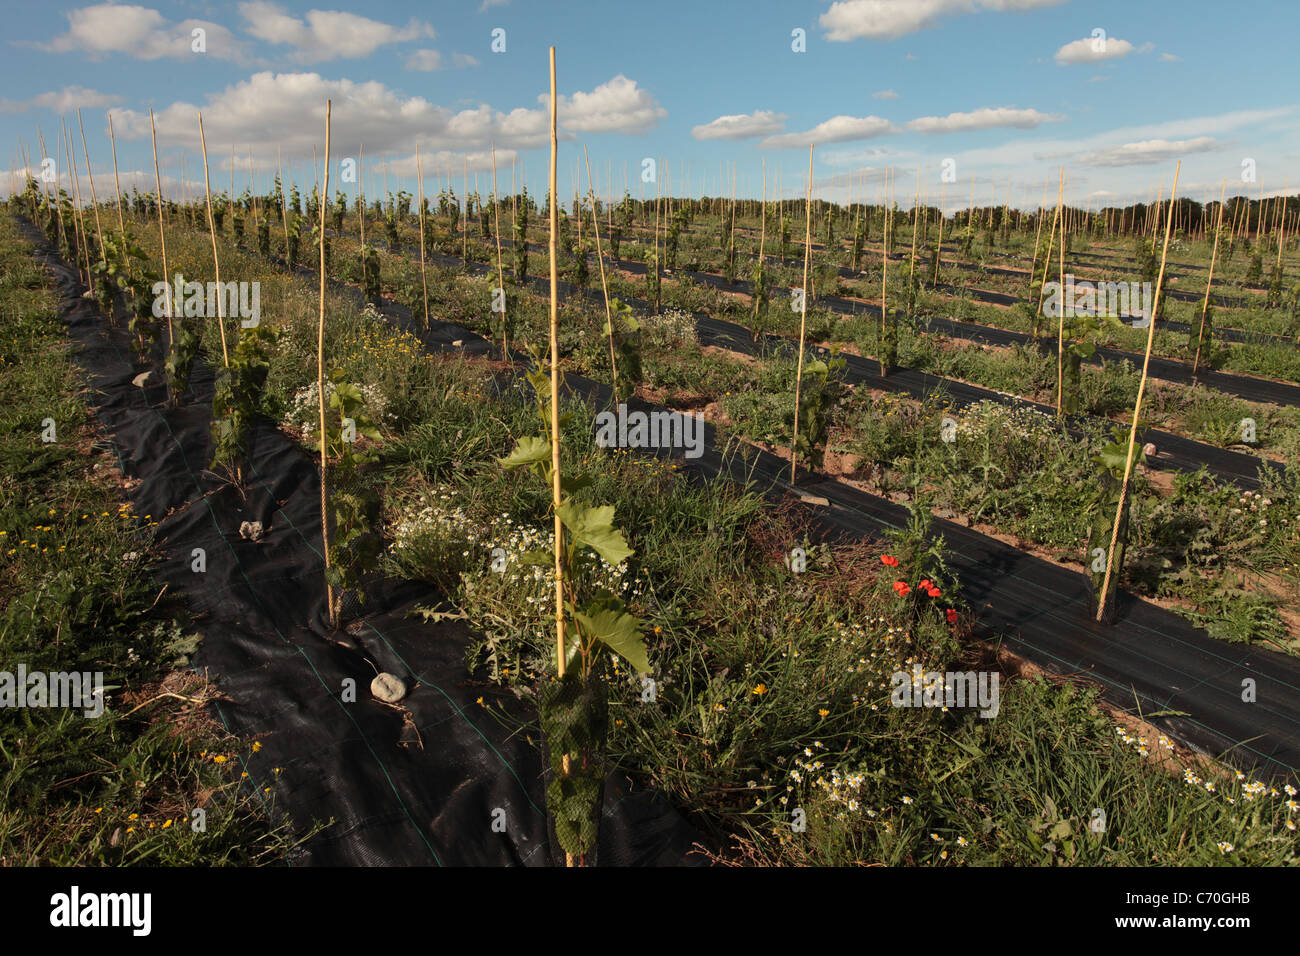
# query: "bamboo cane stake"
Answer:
x=555 y=384
x=45 y=186
x=938 y=258
x=604 y=288
x=117 y=184
x=803 y=315
x=320 y=390
x=916 y=220
x=1210 y=279
x=284 y=203
x=1060 y=328
x=99 y=228
x=78 y=210
x=75 y=186
x=162 y=236
x=555 y=405
x=501 y=275
x=419 y=189
x=1279 y=225
x=884 y=269
x=1047 y=259
x=762 y=234
x=212 y=233
x=1137 y=405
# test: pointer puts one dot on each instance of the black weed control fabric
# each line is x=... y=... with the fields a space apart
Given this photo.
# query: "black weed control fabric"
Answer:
x=418 y=784
x=1243 y=386
x=1173 y=452
x=1152 y=662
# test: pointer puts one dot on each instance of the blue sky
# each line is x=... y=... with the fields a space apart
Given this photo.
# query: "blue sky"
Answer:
x=1008 y=90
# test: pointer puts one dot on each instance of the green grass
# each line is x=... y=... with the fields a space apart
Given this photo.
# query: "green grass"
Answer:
x=757 y=667
x=76 y=595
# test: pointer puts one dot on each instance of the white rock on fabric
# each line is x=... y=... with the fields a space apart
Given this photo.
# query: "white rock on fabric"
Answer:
x=388 y=688
x=141 y=380
x=251 y=530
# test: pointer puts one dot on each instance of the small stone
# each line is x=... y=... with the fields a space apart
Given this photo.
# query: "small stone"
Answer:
x=460 y=342
x=141 y=380
x=388 y=688
x=251 y=530
x=1149 y=449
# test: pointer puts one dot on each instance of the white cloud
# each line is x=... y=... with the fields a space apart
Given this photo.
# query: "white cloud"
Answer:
x=1170 y=58
x=741 y=126
x=616 y=106
x=837 y=129
x=884 y=95
x=889 y=19
x=1148 y=151
x=288 y=109
x=325 y=34
x=65 y=100
x=139 y=32
x=1093 y=50
x=984 y=118
x=492 y=3
x=429 y=60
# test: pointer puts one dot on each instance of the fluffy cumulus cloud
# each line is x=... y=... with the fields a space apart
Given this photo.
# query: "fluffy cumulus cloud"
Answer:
x=884 y=95
x=985 y=118
x=140 y=32
x=1148 y=151
x=288 y=110
x=616 y=106
x=741 y=126
x=1093 y=50
x=837 y=129
x=325 y=34
x=889 y=19
x=65 y=100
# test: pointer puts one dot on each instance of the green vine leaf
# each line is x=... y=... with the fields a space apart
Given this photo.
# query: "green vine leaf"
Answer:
x=618 y=631
x=530 y=450
x=594 y=527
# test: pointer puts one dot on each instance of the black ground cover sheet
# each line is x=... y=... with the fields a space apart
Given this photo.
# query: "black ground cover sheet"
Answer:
x=1152 y=662
x=416 y=784
x=1174 y=452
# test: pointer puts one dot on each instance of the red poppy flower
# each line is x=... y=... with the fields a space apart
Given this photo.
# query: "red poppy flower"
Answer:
x=952 y=616
x=902 y=588
x=889 y=560
x=925 y=584
x=933 y=592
